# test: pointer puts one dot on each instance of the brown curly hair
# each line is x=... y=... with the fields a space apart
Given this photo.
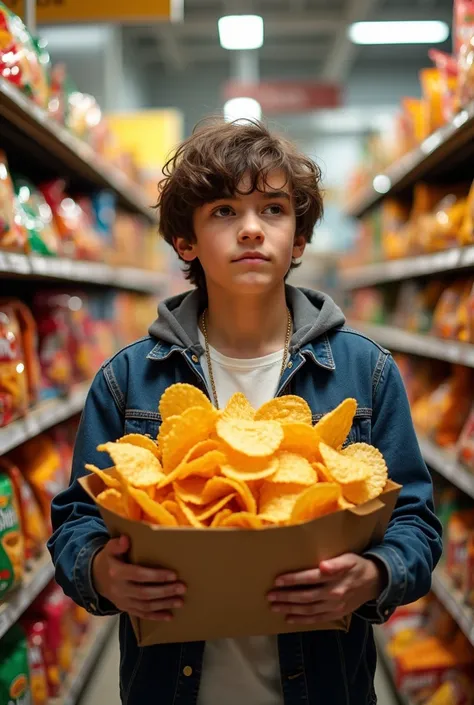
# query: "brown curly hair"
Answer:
x=211 y=164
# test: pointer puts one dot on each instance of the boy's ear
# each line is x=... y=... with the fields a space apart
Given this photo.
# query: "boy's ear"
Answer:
x=299 y=246
x=185 y=249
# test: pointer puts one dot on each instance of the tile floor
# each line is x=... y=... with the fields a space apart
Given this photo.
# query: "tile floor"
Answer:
x=103 y=689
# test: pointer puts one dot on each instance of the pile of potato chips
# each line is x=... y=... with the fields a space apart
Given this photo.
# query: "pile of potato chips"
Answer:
x=239 y=467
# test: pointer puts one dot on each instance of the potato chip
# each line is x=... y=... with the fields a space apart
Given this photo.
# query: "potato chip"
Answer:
x=241 y=520
x=180 y=397
x=277 y=501
x=108 y=477
x=239 y=467
x=301 y=439
x=153 y=511
x=344 y=504
x=165 y=428
x=213 y=508
x=286 y=409
x=374 y=485
x=219 y=486
x=172 y=506
x=238 y=407
x=334 y=427
x=316 y=501
x=136 y=439
x=133 y=509
x=190 y=490
x=256 y=439
x=205 y=466
x=202 y=448
x=112 y=500
x=293 y=468
x=136 y=466
x=189 y=514
x=342 y=468
x=323 y=473
x=194 y=425
x=220 y=516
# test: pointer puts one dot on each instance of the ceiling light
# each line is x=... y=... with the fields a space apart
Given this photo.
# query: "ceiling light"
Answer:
x=242 y=109
x=423 y=32
x=241 y=32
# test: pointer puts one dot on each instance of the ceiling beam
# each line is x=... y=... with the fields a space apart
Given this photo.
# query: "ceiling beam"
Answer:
x=343 y=52
x=172 y=50
x=206 y=54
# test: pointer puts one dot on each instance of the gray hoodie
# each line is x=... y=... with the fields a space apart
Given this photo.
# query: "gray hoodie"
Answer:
x=314 y=314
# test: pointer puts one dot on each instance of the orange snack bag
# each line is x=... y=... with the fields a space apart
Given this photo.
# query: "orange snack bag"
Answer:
x=459 y=530
x=12 y=236
x=432 y=86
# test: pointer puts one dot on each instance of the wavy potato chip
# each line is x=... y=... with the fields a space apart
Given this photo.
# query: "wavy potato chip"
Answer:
x=136 y=466
x=344 y=504
x=240 y=467
x=180 y=397
x=203 y=466
x=256 y=439
x=108 y=477
x=286 y=409
x=316 y=501
x=112 y=500
x=190 y=490
x=301 y=439
x=166 y=426
x=372 y=486
x=220 y=486
x=323 y=473
x=153 y=511
x=172 y=506
x=211 y=509
x=292 y=468
x=344 y=469
x=189 y=514
x=136 y=439
x=194 y=425
x=241 y=520
x=277 y=501
x=334 y=427
x=238 y=407
x=220 y=516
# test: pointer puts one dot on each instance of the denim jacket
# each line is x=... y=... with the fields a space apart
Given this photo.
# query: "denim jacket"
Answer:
x=327 y=363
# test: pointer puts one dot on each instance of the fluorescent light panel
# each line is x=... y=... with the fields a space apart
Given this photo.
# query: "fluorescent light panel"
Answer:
x=241 y=32
x=242 y=109
x=422 y=32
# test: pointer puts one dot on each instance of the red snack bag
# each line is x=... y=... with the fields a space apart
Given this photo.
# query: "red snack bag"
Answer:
x=35 y=631
x=54 y=333
x=12 y=236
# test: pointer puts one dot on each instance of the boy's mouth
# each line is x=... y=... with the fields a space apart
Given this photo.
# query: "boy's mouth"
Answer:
x=251 y=256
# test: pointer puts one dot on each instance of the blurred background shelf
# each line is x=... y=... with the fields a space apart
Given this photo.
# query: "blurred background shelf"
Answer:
x=452 y=599
x=381 y=643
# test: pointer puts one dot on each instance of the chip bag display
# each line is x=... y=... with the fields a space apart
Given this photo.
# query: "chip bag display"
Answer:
x=12 y=235
x=14 y=673
x=35 y=631
x=12 y=550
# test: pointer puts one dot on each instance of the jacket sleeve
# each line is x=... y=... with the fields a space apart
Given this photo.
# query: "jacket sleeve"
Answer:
x=78 y=529
x=412 y=544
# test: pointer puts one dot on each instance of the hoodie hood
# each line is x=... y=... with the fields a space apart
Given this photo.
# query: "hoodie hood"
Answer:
x=314 y=315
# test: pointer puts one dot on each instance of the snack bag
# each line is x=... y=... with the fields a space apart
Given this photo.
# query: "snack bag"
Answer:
x=12 y=235
x=455 y=407
x=14 y=676
x=55 y=352
x=460 y=527
x=432 y=86
x=32 y=522
x=446 y=322
x=468 y=577
x=464 y=44
x=457 y=691
x=35 y=216
x=448 y=75
x=466 y=443
x=440 y=229
x=12 y=547
x=35 y=631
x=466 y=232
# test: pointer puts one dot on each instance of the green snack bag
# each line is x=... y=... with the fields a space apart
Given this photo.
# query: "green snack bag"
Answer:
x=14 y=674
x=12 y=550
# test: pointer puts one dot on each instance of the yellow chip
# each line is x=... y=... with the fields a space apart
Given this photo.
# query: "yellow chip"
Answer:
x=213 y=508
x=165 y=428
x=301 y=439
x=136 y=439
x=256 y=439
x=240 y=467
x=180 y=397
x=344 y=469
x=238 y=407
x=194 y=425
x=136 y=466
x=219 y=486
x=277 y=501
x=241 y=520
x=205 y=466
x=220 y=516
x=153 y=511
x=344 y=504
x=287 y=409
x=374 y=485
x=316 y=501
x=189 y=515
x=334 y=427
x=173 y=508
x=191 y=490
x=323 y=473
x=293 y=468
x=108 y=477
x=112 y=500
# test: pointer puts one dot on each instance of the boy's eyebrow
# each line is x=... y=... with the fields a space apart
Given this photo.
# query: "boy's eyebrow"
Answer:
x=277 y=194
x=265 y=194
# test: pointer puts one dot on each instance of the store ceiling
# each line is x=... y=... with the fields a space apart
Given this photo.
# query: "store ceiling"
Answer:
x=296 y=31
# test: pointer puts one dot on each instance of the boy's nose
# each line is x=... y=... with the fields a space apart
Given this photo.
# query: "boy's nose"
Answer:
x=251 y=230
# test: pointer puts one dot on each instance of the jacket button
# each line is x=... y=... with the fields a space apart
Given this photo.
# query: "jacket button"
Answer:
x=187 y=671
x=92 y=607
x=195 y=358
x=290 y=365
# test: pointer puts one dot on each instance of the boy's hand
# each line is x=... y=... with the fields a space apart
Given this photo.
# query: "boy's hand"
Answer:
x=148 y=593
x=337 y=588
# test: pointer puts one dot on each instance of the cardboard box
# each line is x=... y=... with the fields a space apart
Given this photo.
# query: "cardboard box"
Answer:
x=229 y=572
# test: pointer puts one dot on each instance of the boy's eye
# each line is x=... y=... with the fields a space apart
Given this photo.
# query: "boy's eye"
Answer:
x=223 y=211
x=274 y=209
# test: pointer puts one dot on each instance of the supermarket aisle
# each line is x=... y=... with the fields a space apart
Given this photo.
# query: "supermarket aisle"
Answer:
x=103 y=688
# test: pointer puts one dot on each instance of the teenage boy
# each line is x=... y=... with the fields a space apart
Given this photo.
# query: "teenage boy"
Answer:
x=239 y=204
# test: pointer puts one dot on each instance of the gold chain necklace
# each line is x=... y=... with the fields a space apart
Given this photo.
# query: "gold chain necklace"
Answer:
x=208 y=351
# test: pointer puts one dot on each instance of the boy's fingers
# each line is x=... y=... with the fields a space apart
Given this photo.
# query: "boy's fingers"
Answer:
x=340 y=564
x=153 y=616
x=137 y=574
x=117 y=547
x=303 y=597
x=305 y=577
x=156 y=592
x=155 y=606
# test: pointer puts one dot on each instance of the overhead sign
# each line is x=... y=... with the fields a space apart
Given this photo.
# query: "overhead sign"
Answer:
x=123 y=11
x=278 y=97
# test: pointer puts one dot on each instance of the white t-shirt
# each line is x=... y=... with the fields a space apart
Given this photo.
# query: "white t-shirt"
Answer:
x=243 y=671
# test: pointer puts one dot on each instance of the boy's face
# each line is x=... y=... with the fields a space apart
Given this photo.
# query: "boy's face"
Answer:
x=246 y=243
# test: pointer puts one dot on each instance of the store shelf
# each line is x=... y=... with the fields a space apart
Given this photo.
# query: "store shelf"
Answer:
x=85 y=661
x=445 y=463
x=42 y=417
x=452 y=599
x=27 y=128
x=408 y=268
x=445 y=155
x=35 y=580
x=415 y=344
x=81 y=272
x=381 y=642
